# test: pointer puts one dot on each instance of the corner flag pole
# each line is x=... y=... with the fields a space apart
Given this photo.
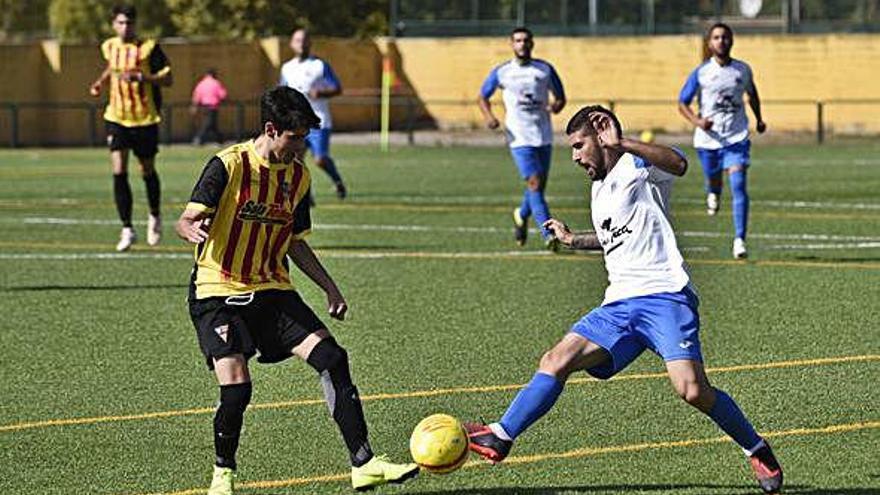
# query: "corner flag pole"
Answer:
x=385 y=124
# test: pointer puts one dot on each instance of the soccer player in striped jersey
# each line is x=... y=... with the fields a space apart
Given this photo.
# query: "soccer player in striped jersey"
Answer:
x=721 y=130
x=247 y=216
x=526 y=84
x=650 y=301
x=136 y=69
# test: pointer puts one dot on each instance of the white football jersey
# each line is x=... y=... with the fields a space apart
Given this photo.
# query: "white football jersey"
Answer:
x=629 y=209
x=719 y=91
x=525 y=89
x=312 y=72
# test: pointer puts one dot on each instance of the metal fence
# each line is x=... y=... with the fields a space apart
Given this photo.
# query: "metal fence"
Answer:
x=409 y=115
x=437 y=18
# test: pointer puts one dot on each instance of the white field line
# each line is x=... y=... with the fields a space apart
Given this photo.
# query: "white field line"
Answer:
x=856 y=245
x=468 y=230
x=422 y=200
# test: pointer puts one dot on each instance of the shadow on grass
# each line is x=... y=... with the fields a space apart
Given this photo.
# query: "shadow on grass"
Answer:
x=46 y=288
x=688 y=487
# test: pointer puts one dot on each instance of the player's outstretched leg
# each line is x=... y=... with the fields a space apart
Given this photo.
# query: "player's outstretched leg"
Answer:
x=494 y=441
x=691 y=384
x=740 y=203
x=368 y=471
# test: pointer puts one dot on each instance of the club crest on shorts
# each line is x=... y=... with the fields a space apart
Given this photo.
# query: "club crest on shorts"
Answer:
x=223 y=332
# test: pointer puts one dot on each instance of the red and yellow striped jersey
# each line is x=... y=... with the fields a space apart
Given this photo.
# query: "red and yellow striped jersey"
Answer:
x=256 y=208
x=133 y=103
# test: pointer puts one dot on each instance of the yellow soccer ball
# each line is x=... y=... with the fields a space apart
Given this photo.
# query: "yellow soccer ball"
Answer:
x=647 y=136
x=439 y=444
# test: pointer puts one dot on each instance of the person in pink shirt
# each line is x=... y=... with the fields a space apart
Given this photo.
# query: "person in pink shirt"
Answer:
x=207 y=96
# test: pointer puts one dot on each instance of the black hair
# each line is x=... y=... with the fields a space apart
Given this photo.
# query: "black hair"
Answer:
x=581 y=119
x=124 y=9
x=287 y=109
x=717 y=25
x=522 y=29
x=211 y=71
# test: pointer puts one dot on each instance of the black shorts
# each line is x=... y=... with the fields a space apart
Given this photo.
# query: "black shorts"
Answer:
x=273 y=323
x=143 y=140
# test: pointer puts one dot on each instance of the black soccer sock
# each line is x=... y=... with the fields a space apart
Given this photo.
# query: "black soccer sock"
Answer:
x=153 y=192
x=122 y=196
x=228 y=419
x=331 y=362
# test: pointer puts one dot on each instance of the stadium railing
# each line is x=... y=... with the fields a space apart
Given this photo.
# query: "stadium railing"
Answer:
x=414 y=117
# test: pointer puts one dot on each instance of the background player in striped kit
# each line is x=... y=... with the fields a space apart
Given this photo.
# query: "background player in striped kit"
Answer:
x=136 y=68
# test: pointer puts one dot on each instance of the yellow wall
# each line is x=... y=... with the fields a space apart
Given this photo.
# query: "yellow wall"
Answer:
x=820 y=67
x=445 y=74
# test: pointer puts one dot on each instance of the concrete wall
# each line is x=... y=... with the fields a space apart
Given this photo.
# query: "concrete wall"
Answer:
x=445 y=75
x=822 y=67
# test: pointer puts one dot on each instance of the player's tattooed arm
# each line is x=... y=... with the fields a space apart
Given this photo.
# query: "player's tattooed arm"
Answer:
x=572 y=240
x=585 y=241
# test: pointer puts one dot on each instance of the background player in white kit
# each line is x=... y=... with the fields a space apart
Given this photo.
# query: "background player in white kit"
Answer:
x=649 y=302
x=721 y=130
x=526 y=84
x=315 y=78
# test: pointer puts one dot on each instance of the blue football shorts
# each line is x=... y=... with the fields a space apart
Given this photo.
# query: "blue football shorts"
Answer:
x=532 y=160
x=318 y=141
x=714 y=161
x=666 y=323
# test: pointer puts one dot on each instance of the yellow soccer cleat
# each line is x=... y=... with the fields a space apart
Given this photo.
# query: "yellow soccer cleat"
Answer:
x=380 y=471
x=223 y=482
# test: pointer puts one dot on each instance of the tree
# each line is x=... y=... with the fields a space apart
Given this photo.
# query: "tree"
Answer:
x=89 y=20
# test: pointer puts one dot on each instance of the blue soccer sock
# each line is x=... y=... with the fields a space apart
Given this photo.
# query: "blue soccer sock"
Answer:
x=525 y=211
x=531 y=403
x=539 y=208
x=330 y=167
x=740 y=202
x=728 y=416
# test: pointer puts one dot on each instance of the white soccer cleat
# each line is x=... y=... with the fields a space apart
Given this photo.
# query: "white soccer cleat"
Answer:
x=739 y=249
x=712 y=204
x=154 y=230
x=126 y=238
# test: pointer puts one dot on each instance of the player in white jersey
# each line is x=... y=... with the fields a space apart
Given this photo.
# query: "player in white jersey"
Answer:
x=315 y=78
x=721 y=130
x=649 y=304
x=526 y=85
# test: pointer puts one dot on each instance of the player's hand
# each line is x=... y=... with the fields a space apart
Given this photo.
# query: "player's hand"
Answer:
x=705 y=124
x=336 y=305
x=314 y=93
x=609 y=136
x=559 y=230
x=761 y=127
x=95 y=89
x=192 y=231
x=492 y=123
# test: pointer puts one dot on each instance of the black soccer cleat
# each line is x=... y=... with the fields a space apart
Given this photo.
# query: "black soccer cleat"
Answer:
x=341 y=191
x=484 y=442
x=767 y=470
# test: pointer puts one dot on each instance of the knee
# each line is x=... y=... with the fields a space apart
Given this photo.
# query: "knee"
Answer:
x=554 y=363
x=327 y=355
x=697 y=394
x=534 y=183
x=321 y=161
x=236 y=396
